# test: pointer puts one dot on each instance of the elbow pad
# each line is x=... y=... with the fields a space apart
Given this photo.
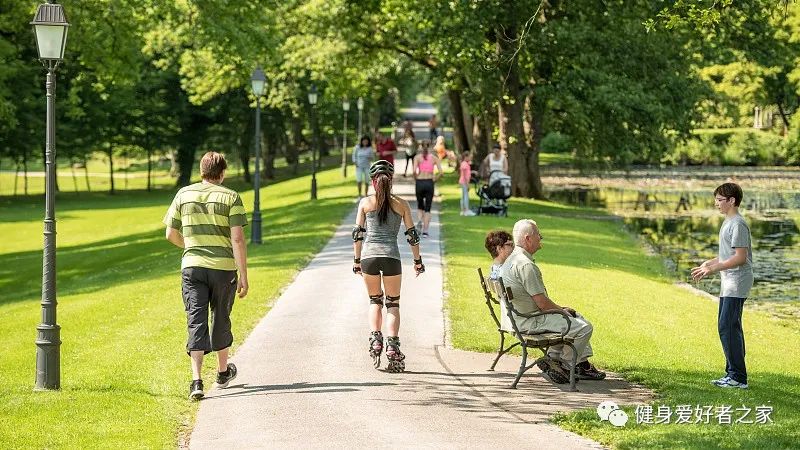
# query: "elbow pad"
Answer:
x=358 y=233
x=413 y=236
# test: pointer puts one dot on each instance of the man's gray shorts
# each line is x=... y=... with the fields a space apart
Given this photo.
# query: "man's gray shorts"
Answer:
x=203 y=289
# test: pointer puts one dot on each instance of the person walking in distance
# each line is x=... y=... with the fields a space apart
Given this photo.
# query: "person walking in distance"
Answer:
x=424 y=163
x=433 y=124
x=465 y=173
x=386 y=147
x=735 y=266
x=206 y=220
x=377 y=260
x=363 y=154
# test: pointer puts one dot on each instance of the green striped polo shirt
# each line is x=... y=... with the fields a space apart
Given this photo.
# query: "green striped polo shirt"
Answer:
x=204 y=214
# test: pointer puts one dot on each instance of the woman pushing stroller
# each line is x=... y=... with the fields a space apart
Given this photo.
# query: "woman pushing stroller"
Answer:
x=377 y=260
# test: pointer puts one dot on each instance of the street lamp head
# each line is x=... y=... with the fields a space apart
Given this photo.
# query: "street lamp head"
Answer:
x=257 y=81
x=346 y=104
x=360 y=103
x=312 y=95
x=50 y=27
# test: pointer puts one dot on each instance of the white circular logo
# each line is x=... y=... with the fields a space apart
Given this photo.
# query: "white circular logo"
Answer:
x=618 y=418
x=605 y=408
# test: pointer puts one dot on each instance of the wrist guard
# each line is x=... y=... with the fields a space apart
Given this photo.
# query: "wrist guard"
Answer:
x=358 y=233
x=413 y=236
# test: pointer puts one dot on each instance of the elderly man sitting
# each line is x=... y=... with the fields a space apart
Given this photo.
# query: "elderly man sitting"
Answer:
x=524 y=278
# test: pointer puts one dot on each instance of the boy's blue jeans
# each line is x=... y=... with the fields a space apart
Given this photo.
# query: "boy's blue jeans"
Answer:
x=729 y=325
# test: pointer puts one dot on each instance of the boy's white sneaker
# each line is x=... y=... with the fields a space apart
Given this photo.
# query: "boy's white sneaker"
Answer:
x=729 y=382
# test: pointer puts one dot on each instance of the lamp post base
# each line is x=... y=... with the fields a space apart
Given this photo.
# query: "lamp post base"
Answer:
x=48 y=357
x=313 y=188
x=255 y=233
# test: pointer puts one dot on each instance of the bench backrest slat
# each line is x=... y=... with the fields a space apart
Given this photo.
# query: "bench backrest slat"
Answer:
x=489 y=297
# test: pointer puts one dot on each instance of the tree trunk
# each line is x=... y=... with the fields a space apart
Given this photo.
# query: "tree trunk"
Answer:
x=482 y=135
x=459 y=129
x=74 y=175
x=293 y=152
x=524 y=181
x=149 y=166
x=244 y=149
x=25 y=170
x=16 y=176
x=111 y=167
x=86 y=174
x=534 y=131
x=193 y=132
x=321 y=141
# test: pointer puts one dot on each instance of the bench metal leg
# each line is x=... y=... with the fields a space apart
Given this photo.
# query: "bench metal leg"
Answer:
x=502 y=351
x=573 y=368
x=521 y=367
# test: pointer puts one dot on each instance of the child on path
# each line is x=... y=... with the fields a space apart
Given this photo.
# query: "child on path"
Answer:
x=465 y=172
x=735 y=266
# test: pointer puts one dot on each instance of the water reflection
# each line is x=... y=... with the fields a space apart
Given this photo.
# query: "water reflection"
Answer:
x=683 y=226
x=688 y=241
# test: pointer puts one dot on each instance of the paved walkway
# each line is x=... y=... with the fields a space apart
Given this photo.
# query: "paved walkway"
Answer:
x=306 y=380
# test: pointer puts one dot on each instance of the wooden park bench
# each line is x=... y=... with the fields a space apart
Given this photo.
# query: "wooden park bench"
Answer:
x=541 y=341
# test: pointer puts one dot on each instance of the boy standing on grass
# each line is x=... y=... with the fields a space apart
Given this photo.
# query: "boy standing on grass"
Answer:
x=206 y=220
x=735 y=265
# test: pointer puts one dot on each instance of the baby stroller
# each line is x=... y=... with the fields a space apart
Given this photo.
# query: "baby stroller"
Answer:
x=494 y=194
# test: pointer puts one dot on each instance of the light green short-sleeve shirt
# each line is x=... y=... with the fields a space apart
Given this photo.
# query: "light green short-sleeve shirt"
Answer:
x=204 y=214
x=521 y=274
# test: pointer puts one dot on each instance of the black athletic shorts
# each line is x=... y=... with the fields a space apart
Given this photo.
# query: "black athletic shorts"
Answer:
x=424 y=189
x=387 y=266
x=205 y=289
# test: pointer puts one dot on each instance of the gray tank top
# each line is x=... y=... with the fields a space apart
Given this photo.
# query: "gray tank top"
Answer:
x=381 y=239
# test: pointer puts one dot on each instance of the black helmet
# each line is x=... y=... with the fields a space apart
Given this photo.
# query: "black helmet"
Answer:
x=381 y=166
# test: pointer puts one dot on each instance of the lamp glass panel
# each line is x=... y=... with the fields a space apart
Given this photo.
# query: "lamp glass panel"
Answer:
x=50 y=40
x=258 y=87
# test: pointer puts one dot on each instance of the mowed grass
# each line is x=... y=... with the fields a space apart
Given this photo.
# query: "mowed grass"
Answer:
x=646 y=328
x=125 y=374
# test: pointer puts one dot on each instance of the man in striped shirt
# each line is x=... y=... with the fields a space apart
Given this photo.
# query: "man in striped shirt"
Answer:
x=206 y=220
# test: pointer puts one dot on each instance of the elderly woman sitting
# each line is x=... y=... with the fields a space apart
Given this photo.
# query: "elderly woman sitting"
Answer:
x=500 y=244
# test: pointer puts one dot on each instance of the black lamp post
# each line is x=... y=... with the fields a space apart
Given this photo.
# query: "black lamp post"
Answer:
x=360 y=104
x=312 y=100
x=50 y=27
x=345 y=109
x=257 y=81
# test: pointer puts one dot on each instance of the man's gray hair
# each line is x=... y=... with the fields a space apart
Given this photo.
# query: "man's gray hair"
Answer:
x=521 y=228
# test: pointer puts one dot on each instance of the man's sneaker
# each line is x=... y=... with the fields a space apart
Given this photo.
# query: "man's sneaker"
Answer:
x=729 y=382
x=469 y=213
x=721 y=380
x=223 y=378
x=553 y=370
x=586 y=371
x=196 y=390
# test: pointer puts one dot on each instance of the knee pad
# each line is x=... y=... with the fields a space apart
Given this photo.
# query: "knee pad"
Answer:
x=376 y=299
x=392 y=302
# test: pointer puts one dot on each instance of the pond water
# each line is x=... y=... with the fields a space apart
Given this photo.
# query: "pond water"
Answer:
x=682 y=225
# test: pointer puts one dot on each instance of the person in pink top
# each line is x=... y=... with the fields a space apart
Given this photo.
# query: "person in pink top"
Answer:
x=424 y=164
x=465 y=173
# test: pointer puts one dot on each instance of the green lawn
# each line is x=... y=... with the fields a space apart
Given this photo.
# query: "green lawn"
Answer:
x=124 y=371
x=645 y=328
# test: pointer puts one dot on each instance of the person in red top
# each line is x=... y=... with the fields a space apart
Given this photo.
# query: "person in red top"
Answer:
x=386 y=148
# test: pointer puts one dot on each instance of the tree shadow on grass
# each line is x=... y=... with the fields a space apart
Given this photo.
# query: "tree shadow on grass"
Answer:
x=290 y=240
x=691 y=387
